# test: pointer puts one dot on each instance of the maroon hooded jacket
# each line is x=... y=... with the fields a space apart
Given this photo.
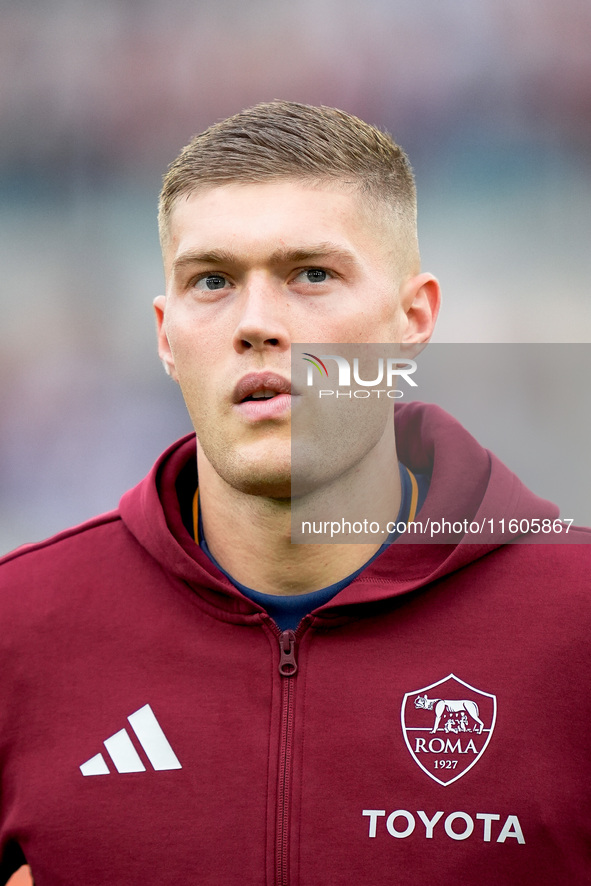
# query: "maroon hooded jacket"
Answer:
x=429 y=725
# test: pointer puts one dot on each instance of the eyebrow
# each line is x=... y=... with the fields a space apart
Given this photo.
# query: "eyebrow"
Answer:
x=284 y=255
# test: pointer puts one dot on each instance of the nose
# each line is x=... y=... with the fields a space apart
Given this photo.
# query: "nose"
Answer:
x=262 y=322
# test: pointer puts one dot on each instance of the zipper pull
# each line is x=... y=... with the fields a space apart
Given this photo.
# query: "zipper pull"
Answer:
x=287 y=665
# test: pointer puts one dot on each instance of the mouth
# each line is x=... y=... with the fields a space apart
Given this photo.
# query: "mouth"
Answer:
x=263 y=395
x=261 y=386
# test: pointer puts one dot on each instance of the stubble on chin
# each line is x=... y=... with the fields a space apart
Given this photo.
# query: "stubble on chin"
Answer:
x=251 y=474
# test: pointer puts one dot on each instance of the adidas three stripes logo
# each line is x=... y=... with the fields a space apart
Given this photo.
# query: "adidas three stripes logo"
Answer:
x=122 y=751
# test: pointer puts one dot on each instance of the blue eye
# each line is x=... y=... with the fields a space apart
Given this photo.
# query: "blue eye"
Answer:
x=315 y=275
x=211 y=282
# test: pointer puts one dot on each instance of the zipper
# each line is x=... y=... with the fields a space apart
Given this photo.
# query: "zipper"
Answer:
x=287 y=668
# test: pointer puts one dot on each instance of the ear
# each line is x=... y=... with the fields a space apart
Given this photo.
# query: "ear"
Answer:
x=420 y=298
x=164 y=351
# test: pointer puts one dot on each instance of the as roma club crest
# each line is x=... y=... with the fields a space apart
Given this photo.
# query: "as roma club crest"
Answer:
x=447 y=727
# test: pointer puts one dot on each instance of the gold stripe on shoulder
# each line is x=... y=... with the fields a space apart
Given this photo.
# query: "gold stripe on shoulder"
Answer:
x=196 y=516
x=414 y=499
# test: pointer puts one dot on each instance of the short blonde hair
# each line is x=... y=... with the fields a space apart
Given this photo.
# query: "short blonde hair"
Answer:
x=288 y=140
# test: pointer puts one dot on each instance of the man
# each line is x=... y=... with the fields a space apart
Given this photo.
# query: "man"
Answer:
x=189 y=697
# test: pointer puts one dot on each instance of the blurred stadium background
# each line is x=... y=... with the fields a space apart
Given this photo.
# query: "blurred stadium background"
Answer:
x=491 y=99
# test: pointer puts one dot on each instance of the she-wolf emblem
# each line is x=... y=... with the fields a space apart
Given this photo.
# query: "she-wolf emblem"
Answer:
x=451 y=706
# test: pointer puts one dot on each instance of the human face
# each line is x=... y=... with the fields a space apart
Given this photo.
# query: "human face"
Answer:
x=251 y=268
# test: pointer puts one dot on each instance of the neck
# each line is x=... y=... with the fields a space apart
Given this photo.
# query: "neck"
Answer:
x=255 y=546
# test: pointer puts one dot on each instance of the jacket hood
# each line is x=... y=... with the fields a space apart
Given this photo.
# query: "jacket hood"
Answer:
x=467 y=483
